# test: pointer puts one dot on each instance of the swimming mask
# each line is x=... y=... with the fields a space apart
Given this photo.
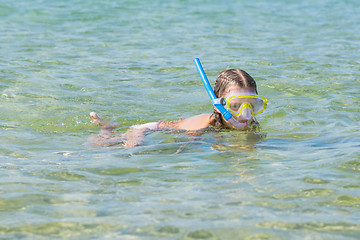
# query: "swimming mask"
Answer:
x=217 y=101
x=239 y=104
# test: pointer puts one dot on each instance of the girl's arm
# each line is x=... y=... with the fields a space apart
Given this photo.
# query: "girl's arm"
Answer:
x=136 y=134
x=192 y=123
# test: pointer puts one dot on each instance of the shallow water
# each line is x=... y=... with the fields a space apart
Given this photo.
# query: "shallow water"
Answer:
x=131 y=61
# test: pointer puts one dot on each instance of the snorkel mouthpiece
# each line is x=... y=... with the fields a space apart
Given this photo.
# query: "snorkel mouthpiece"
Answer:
x=237 y=124
x=226 y=114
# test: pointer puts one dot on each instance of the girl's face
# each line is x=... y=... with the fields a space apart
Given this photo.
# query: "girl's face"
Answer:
x=245 y=116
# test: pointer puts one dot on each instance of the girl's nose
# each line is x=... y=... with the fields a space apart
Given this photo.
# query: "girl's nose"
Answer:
x=245 y=113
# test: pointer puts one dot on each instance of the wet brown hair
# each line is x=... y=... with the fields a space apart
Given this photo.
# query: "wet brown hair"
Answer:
x=226 y=79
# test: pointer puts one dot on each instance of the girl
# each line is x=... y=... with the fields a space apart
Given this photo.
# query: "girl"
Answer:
x=235 y=91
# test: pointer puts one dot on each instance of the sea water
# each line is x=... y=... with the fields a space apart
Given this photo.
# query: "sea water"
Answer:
x=297 y=177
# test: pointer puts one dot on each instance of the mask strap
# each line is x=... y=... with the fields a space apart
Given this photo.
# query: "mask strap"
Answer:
x=218 y=101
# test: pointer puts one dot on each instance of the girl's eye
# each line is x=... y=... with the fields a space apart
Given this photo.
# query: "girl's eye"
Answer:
x=235 y=106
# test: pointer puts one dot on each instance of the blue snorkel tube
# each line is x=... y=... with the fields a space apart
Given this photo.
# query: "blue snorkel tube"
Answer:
x=215 y=101
x=227 y=115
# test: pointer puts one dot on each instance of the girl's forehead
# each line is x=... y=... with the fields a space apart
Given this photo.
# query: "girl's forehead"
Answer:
x=237 y=89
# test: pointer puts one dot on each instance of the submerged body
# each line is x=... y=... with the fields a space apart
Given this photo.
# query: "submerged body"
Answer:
x=136 y=134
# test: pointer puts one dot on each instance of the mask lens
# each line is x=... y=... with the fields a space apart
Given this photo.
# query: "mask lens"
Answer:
x=234 y=104
x=257 y=104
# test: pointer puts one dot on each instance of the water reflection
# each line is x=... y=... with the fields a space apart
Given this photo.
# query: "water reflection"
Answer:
x=237 y=140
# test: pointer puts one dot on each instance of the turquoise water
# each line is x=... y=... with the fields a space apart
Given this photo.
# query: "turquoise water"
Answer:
x=131 y=61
